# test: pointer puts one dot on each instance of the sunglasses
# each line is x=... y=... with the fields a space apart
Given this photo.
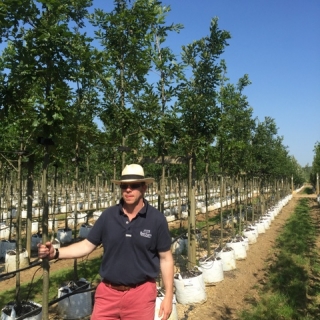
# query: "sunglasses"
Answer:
x=131 y=186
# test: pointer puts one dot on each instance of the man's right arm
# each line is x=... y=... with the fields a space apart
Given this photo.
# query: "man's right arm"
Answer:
x=73 y=251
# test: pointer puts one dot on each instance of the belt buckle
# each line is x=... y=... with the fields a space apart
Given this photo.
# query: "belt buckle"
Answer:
x=116 y=287
x=121 y=287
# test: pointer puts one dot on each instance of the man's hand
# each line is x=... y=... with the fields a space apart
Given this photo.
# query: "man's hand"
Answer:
x=46 y=251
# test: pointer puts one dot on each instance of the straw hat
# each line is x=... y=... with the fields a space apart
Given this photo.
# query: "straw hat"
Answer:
x=133 y=173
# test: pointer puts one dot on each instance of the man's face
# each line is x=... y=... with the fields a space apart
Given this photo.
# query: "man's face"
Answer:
x=133 y=192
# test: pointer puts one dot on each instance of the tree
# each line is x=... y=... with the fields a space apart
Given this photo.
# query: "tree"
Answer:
x=153 y=106
x=125 y=37
x=198 y=107
x=235 y=127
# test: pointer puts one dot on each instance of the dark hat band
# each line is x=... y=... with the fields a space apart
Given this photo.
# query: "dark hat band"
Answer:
x=131 y=176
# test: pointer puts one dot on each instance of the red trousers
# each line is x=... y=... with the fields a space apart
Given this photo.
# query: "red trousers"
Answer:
x=136 y=303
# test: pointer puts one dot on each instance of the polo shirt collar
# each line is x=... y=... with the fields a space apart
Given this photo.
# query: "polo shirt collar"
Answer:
x=143 y=210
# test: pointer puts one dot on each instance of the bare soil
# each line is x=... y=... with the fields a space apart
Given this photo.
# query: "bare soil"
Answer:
x=226 y=298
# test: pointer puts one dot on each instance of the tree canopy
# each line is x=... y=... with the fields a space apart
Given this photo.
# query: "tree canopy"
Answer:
x=123 y=95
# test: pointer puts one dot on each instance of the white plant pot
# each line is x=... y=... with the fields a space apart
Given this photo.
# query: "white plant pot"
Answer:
x=84 y=230
x=171 y=218
x=9 y=313
x=239 y=248
x=36 y=213
x=250 y=233
x=63 y=208
x=71 y=221
x=255 y=228
x=4 y=231
x=228 y=259
x=50 y=224
x=81 y=217
x=190 y=290
x=76 y=306
x=10 y=260
x=266 y=223
x=24 y=214
x=179 y=246
x=34 y=226
x=212 y=269
x=261 y=227
x=271 y=214
x=203 y=209
x=184 y=215
x=64 y=235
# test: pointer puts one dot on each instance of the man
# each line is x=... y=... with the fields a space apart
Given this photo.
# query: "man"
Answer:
x=136 y=242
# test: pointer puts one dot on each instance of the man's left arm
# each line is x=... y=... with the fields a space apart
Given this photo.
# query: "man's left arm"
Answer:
x=167 y=270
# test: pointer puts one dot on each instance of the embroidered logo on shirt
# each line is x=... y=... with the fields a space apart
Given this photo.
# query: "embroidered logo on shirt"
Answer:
x=145 y=233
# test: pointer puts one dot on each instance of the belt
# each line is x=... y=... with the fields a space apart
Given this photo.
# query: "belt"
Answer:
x=121 y=287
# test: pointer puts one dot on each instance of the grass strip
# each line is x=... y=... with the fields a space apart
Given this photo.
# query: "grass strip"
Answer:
x=292 y=289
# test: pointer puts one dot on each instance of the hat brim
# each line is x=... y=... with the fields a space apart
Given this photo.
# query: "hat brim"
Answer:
x=146 y=180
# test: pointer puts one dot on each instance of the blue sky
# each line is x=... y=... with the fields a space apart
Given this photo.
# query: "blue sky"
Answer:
x=275 y=42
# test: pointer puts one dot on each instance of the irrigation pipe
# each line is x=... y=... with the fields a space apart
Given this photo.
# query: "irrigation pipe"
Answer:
x=11 y=274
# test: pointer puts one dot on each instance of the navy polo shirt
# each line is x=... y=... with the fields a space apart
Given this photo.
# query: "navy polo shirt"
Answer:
x=131 y=248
